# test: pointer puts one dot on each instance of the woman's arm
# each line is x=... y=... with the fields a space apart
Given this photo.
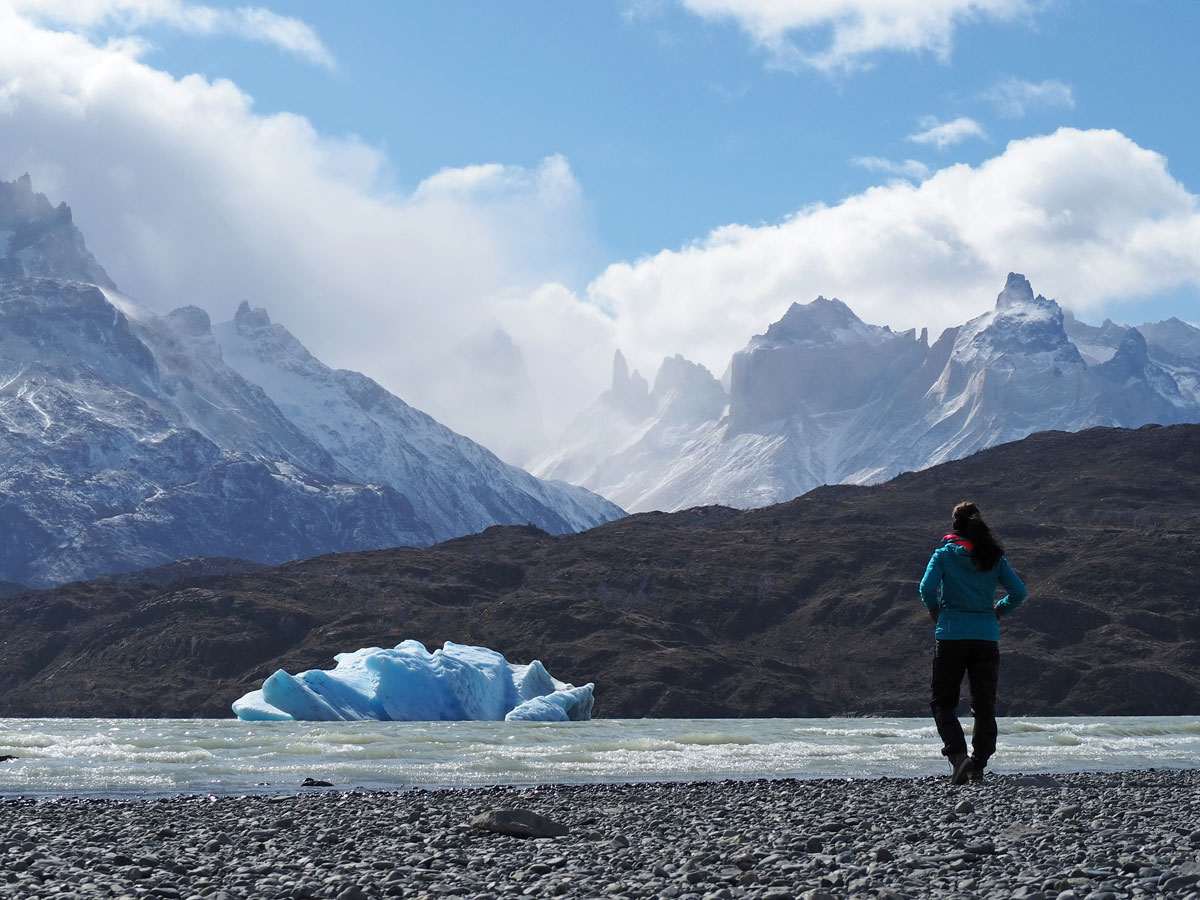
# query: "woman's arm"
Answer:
x=931 y=586
x=1016 y=590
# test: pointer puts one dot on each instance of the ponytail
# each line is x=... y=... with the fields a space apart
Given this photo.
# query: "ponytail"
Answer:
x=985 y=549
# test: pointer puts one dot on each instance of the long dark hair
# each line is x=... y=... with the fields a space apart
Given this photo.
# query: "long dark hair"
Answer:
x=985 y=549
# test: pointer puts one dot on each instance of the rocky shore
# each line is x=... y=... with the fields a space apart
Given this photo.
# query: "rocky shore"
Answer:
x=1013 y=837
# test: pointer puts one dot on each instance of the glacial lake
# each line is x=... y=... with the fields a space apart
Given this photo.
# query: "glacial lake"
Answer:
x=168 y=757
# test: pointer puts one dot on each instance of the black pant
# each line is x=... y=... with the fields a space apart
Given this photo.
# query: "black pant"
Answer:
x=980 y=662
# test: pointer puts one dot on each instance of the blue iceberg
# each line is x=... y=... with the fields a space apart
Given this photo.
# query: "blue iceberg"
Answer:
x=410 y=684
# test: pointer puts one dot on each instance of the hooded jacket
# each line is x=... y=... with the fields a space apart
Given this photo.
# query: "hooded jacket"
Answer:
x=963 y=595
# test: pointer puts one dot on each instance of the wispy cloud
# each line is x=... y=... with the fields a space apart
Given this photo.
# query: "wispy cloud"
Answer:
x=1015 y=97
x=946 y=134
x=847 y=33
x=911 y=168
x=248 y=22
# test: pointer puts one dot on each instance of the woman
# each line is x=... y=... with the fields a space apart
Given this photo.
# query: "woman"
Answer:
x=959 y=590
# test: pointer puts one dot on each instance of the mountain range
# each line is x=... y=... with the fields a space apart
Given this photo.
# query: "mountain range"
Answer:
x=806 y=608
x=824 y=398
x=130 y=439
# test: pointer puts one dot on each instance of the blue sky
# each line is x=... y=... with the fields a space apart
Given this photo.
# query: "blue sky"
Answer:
x=410 y=186
x=672 y=126
x=675 y=125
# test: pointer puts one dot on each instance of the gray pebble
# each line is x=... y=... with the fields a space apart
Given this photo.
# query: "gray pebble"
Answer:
x=753 y=840
x=1180 y=882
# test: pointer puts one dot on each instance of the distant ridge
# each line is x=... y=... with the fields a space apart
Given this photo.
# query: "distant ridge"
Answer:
x=806 y=608
x=824 y=398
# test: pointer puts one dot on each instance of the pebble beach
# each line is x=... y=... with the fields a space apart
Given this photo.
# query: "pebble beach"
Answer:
x=1064 y=837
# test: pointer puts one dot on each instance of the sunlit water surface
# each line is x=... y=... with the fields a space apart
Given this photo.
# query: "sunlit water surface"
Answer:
x=157 y=757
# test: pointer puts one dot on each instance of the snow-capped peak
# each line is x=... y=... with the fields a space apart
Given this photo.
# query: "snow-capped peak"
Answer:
x=630 y=393
x=271 y=342
x=1132 y=361
x=821 y=322
x=247 y=318
x=40 y=240
x=1174 y=336
x=1017 y=291
x=687 y=391
x=1017 y=299
x=1021 y=323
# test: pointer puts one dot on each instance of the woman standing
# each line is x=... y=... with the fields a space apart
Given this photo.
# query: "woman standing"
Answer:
x=959 y=590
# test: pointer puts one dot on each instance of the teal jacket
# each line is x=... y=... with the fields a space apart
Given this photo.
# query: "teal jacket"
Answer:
x=964 y=596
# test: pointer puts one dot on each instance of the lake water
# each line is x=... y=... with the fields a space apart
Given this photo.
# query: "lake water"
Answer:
x=164 y=757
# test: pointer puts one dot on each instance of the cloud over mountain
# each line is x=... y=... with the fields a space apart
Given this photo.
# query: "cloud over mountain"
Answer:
x=195 y=198
x=1091 y=215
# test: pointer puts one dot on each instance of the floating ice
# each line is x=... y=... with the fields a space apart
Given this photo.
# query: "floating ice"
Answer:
x=410 y=684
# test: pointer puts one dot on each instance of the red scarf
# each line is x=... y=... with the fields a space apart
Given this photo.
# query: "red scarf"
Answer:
x=958 y=539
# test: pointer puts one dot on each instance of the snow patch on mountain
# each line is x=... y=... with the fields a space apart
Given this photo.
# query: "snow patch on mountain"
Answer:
x=102 y=470
x=372 y=436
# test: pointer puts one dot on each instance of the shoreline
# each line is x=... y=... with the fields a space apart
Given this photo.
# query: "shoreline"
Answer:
x=1078 y=836
x=276 y=791
x=153 y=758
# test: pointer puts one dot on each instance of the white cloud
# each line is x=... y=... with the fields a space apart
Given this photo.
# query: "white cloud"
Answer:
x=946 y=134
x=1014 y=97
x=846 y=33
x=186 y=195
x=1089 y=216
x=911 y=168
x=493 y=180
x=252 y=23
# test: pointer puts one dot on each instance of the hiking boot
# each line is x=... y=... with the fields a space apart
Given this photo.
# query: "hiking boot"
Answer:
x=961 y=766
x=975 y=775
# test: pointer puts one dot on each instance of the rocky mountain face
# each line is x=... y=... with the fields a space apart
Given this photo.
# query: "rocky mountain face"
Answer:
x=129 y=440
x=824 y=398
x=37 y=239
x=807 y=608
x=1171 y=348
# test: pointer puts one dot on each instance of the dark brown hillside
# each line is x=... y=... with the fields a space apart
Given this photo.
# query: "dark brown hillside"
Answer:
x=802 y=609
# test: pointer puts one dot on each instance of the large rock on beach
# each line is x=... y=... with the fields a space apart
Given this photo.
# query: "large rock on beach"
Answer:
x=522 y=823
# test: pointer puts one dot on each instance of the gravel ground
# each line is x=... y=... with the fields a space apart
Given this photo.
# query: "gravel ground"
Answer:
x=1084 y=836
